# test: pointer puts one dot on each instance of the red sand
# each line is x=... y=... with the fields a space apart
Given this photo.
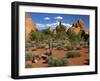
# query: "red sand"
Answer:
x=61 y=53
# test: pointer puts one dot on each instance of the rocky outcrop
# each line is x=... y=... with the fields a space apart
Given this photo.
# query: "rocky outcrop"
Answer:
x=29 y=26
x=78 y=27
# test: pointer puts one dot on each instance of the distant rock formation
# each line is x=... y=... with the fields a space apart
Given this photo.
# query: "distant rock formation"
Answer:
x=78 y=27
x=29 y=26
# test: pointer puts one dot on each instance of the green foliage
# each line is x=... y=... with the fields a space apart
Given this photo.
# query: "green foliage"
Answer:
x=60 y=47
x=37 y=36
x=78 y=47
x=73 y=53
x=54 y=45
x=28 y=56
x=45 y=57
x=48 y=53
x=54 y=62
x=27 y=45
x=61 y=35
x=75 y=39
x=69 y=47
x=48 y=32
x=84 y=35
x=34 y=48
x=85 y=45
x=28 y=66
x=62 y=27
x=36 y=56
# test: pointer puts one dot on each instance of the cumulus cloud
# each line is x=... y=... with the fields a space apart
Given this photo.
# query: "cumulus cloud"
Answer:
x=40 y=26
x=67 y=25
x=52 y=25
x=46 y=18
x=44 y=26
x=58 y=18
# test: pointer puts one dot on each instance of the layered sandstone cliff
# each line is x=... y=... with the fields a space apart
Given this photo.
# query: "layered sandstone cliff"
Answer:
x=29 y=25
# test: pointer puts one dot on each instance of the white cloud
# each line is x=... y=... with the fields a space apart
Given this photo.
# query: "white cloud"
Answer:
x=52 y=25
x=46 y=18
x=67 y=25
x=58 y=18
x=44 y=26
x=41 y=26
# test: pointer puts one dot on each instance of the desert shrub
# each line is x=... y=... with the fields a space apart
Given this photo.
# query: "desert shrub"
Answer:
x=36 y=56
x=26 y=49
x=54 y=62
x=51 y=62
x=36 y=36
x=34 y=48
x=48 y=53
x=28 y=56
x=42 y=45
x=44 y=56
x=54 y=45
x=73 y=53
x=61 y=35
x=74 y=38
x=46 y=46
x=27 y=45
x=82 y=43
x=33 y=42
x=85 y=46
x=69 y=47
x=28 y=65
x=78 y=47
x=60 y=46
x=47 y=31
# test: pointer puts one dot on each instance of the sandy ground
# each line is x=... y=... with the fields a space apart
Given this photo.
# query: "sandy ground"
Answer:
x=82 y=60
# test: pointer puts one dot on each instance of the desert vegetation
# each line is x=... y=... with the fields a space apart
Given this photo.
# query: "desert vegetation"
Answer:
x=57 y=47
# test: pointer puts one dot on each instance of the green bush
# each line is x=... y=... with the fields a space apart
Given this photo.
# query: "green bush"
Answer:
x=28 y=66
x=27 y=45
x=60 y=47
x=82 y=43
x=28 y=56
x=36 y=36
x=54 y=45
x=44 y=56
x=78 y=47
x=34 y=48
x=54 y=62
x=48 y=53
x=85 y=46
x=36 y=56
x=46 y=46
x=69 y=47
x=71 y=54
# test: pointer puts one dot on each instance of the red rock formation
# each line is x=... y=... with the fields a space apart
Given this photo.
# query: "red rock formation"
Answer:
x=80 y=23
x=78 y=27
x=29 y=26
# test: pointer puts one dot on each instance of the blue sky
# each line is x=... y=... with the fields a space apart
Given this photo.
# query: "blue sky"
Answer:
x=44 y=20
